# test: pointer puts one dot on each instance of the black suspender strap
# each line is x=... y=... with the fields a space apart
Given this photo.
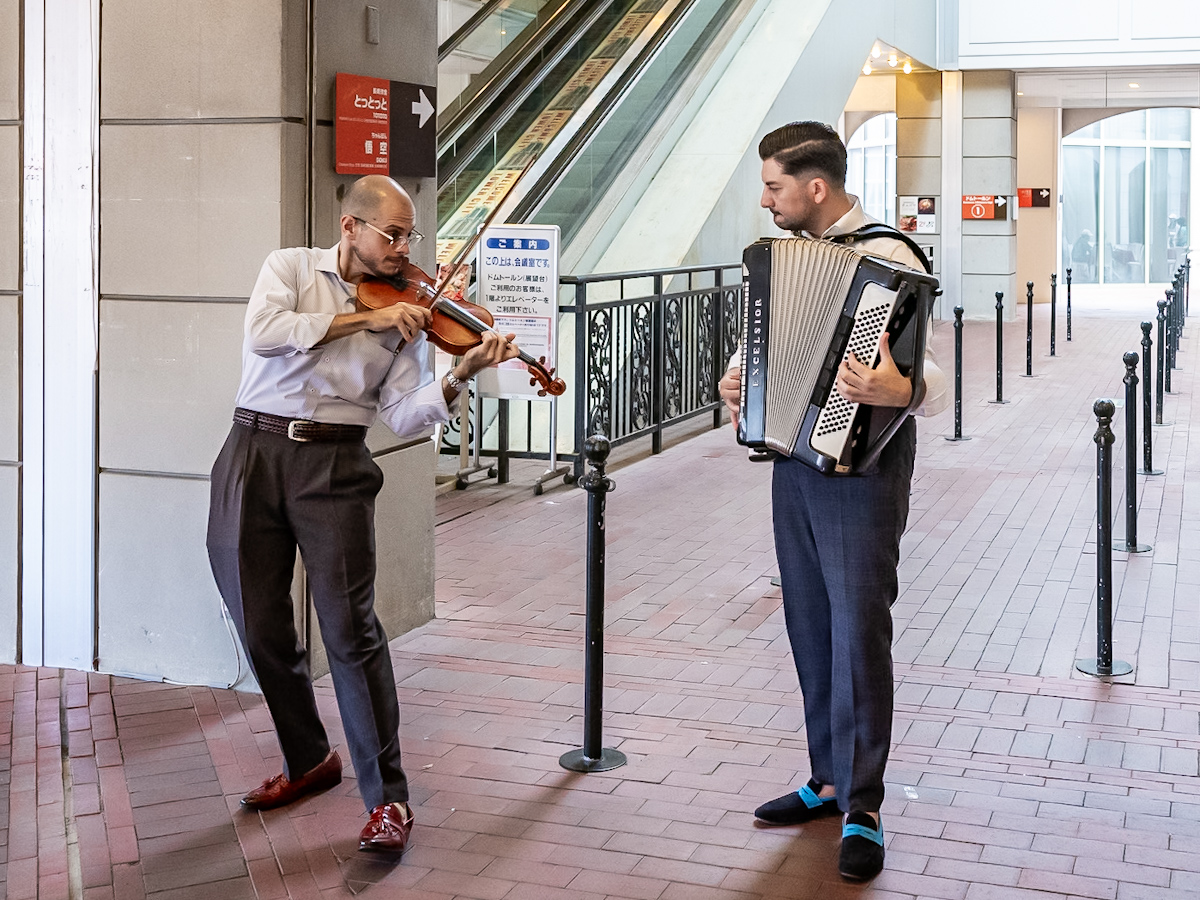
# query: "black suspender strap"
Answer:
x=879 y=230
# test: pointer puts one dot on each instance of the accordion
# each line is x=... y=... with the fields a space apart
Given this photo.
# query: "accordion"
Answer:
x=808 y=305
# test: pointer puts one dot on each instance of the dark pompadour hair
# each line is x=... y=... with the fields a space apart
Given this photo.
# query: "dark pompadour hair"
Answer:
x=807 y=147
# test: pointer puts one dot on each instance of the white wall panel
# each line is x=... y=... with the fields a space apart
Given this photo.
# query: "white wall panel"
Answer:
x=160 y=614
x=1098 y=33
x=168 y=375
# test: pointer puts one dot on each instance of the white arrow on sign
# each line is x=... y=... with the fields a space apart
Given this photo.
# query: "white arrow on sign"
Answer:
x=422 y=108
x=1000 y=201
x=1044 y=193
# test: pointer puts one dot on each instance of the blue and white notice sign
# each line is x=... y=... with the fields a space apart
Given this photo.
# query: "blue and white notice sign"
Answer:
x=517 y=280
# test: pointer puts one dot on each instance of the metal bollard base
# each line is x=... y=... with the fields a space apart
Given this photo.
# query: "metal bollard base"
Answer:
x=1151 y=472
x=998 y=402
x=951 y=437
x=1162 y=424
x=1093 y=667
x=777 y=581
x=1124 y=547
x=576 y=761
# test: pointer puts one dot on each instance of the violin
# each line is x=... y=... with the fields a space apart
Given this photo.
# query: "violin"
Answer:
x=457 y=325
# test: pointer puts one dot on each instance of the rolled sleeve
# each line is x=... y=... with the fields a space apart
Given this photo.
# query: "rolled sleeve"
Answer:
x=411 y=399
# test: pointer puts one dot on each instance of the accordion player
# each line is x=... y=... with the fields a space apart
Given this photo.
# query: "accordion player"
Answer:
x=808 y=305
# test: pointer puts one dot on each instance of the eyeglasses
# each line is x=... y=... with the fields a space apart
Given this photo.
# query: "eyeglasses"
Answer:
x=412 y=238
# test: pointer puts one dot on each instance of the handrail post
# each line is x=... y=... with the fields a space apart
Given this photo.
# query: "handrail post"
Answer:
x=658 y=362
x=582 y=374
x=1162 y=361
x=1169 y=364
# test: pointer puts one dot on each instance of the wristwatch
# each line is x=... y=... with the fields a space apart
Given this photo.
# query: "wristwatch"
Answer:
x=455 y=383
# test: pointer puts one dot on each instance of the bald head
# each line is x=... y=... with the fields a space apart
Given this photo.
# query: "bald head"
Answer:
x=372 y=194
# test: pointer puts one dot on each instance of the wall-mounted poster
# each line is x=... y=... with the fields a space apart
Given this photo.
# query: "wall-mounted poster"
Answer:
x=917 y=215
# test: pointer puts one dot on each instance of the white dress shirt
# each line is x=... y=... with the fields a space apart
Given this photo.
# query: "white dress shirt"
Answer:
x=937 y=397
x=351 y=380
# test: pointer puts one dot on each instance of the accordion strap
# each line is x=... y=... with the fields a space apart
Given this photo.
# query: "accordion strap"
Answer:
x=880 y=230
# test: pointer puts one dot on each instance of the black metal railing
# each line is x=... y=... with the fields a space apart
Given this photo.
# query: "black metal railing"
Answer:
x=650 y=347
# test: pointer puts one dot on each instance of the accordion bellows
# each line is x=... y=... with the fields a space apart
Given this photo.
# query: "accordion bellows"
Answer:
x=808 y=304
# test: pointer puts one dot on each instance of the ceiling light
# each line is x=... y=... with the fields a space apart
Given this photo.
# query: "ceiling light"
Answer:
x=907 y=67
x=1020 y=93
x=876 y=51
x=867 y=68
x=1134 y=84
x=893 y=60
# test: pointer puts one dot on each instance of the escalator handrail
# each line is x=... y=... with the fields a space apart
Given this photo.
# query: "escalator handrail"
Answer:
x=468 y=27
x=545 y=180
x=502 y=81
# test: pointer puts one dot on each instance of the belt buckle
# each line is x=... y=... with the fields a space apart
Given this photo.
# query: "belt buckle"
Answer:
x=291 y=430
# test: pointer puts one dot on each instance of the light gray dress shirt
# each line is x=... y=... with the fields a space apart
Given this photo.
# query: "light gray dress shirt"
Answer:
x=351 y=380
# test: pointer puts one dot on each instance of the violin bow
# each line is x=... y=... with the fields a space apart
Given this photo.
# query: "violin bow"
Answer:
x=458 y=262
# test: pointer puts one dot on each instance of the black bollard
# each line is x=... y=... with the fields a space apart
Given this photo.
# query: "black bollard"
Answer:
x=1147 y=452
x=1029 y=329
x=1103 y=664
x=1130 y=544
x=1187 y=284
x=1158 y=387
x=958 y=357
x=999 y=348
x=1068 y=304
x=1053 y=308
x=1169 y=364
x=593 y=757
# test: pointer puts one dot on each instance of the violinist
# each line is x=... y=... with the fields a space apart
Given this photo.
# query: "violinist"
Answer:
x=295 y=473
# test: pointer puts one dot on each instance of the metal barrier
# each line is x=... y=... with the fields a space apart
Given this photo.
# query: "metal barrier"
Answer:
x=651 y=355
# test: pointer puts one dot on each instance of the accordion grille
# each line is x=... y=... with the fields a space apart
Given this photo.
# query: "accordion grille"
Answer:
x=810 y=281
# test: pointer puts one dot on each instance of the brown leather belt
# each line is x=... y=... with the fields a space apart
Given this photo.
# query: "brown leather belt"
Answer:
x=298 y=429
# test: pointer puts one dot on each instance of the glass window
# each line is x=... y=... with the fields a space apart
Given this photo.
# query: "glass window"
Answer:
x=1169 y=199
x=1170 y=124
x=871 y=167
x=1087 y=133
x=1130 y=126
x=1081 y=212
x=1124 y=215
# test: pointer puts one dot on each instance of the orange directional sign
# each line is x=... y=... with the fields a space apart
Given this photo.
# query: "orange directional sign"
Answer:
x=1033 y=196
x=984 y=206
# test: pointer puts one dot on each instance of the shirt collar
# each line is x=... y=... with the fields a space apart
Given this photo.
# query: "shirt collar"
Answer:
x=327 y=260
x=853 y=220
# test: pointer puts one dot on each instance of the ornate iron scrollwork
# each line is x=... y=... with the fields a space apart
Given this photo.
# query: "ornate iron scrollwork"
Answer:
x=641 y=366
x=600 y=361
x=673 y=360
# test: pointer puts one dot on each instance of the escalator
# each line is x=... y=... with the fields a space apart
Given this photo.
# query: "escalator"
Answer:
x=568 y=88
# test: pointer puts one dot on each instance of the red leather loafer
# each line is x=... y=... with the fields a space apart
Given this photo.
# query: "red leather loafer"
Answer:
x=278 y=791
x=387 y=829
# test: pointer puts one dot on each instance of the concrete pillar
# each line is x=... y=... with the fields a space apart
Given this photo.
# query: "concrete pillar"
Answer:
x=10 y=330
x=919 y=152
x=211 y=135
x=989 y=166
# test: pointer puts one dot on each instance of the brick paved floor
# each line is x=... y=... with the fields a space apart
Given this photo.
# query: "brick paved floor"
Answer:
x=1013 y=776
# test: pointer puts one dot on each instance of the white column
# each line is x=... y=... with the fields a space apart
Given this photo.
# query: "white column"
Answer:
x=951 y=217
x=59 y=332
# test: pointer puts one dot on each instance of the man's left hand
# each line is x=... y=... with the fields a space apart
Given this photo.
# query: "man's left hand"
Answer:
x=881 y=386
x=493 y=349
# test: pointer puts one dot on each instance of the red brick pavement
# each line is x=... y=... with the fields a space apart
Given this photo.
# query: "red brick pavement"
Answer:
x=1013 y=776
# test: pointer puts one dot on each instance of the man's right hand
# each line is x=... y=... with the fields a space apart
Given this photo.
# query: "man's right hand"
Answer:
x=730 y=389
